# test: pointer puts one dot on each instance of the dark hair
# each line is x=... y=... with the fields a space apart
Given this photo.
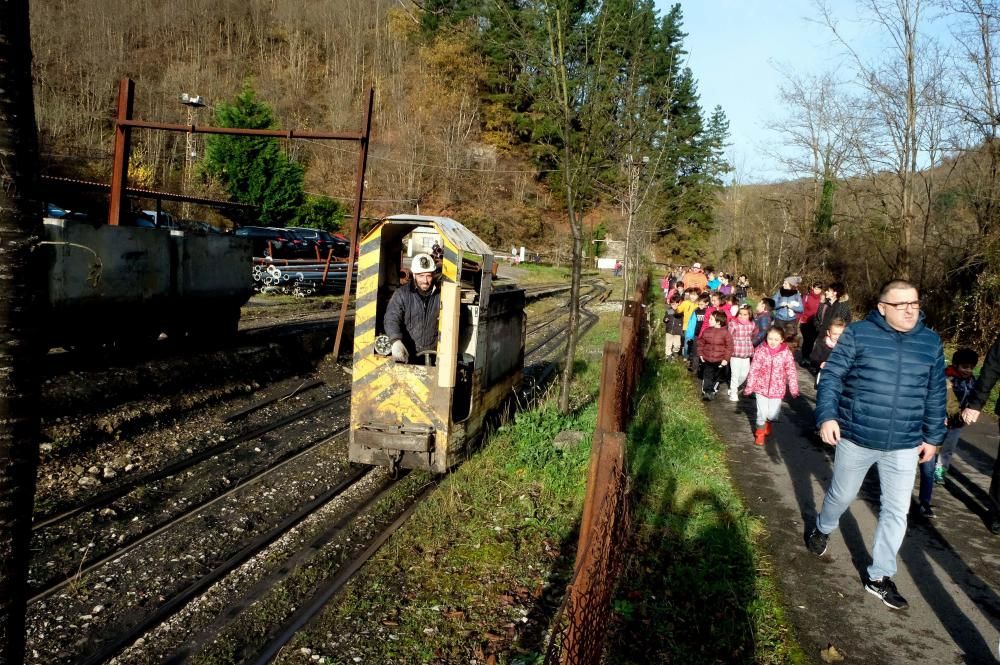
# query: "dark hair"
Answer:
x=837 y=287
x=715 y=294
x=676 y=298
x=679 y=284
x=839 y=322
x=709 y=269
x=964 y=357
x=703 y=298
x=720 y=318
x=768 y=303
x=894 y=284
x=817 y=285
x=778 y=330
x=734 y=299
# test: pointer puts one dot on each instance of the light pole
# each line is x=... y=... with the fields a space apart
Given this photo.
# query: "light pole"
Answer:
x=193 y=103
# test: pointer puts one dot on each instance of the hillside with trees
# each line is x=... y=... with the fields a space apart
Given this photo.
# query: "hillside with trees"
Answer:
x=468 y=121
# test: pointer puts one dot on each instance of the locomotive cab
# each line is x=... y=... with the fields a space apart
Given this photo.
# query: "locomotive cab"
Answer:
x=425 y=413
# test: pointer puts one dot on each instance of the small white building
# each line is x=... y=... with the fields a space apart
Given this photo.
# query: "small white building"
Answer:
x=422 y=241
x=614 y=251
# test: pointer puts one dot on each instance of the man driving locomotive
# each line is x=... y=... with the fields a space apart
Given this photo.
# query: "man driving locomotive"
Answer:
x=411 y=319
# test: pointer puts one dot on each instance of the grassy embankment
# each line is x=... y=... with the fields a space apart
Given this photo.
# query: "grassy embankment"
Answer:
x=480 y=567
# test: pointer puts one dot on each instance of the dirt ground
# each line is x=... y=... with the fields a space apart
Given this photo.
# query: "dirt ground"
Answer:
x=948 y=566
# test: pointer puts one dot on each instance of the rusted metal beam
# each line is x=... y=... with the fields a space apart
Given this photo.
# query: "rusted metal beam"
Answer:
x=359 y=193
x=140 y=193
x=123 y=144
x=240 y=131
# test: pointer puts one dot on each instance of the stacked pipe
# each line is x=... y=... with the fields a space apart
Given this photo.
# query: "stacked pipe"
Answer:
x=301 y=279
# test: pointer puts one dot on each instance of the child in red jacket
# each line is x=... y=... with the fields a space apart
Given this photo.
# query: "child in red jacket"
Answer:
x=772 y=368
x=715 y=348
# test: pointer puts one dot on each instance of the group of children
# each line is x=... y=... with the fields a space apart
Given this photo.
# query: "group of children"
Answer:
x=724 y=341
x=719 y=335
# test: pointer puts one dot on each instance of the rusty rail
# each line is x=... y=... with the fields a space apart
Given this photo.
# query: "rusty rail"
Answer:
x=581 y=626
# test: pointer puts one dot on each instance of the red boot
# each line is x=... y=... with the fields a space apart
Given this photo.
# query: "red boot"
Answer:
x=759 y=436
x=767 y=428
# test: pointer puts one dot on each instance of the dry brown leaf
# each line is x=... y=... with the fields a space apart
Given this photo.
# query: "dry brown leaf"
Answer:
x=456 y=615
x=493 y=637
x=492 y=660
x=830 y=654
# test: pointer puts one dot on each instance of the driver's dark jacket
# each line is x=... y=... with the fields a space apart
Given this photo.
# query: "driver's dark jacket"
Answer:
x=413 y=317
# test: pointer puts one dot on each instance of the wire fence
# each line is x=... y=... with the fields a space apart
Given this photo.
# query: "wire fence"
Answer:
x=582 y=622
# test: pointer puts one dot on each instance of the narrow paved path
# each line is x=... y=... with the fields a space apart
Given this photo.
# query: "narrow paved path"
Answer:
x=949 y=567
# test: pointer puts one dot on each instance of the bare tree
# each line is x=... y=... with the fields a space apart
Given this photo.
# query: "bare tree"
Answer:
x=20 y=223
x=893 y=86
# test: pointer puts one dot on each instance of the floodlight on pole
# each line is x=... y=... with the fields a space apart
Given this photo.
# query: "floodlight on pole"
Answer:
x=193 y=103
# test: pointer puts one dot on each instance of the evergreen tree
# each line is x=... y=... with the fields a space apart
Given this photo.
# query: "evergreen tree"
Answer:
x=320 y=212
x=254 y=169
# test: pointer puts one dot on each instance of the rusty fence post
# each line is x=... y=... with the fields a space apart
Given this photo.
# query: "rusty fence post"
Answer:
x=605 y=418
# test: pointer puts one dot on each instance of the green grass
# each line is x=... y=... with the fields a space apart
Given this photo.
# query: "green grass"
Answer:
x=699 y=587
x=537 y=273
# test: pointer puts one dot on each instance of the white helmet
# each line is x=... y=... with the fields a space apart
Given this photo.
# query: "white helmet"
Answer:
x=422 y=263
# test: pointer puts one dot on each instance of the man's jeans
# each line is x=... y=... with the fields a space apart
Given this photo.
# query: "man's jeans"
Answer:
x=896 y=472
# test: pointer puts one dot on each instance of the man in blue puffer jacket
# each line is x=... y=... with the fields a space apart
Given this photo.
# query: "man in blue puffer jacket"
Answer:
x=881 y=400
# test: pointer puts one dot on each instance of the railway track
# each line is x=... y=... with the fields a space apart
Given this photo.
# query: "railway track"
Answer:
x=104 y=640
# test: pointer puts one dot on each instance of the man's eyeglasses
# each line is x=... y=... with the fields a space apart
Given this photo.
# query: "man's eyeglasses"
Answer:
x=901 y=306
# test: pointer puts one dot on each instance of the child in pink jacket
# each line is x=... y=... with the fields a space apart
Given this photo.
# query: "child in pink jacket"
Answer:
x=772 y=368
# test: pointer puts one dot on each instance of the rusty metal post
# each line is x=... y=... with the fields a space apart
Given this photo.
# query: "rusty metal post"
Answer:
x=605 y=417
x=123 y=144
x=356 y=221
x=326 y=268
x=589 y=596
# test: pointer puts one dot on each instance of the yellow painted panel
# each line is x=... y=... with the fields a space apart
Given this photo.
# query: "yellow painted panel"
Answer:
x=400 y=405
x=419 y=389
x=451 y=305
x=367 y=286
x=449 y=271
x=380 y=384
x=365 y=366
x=368 y=259
x=365 y=313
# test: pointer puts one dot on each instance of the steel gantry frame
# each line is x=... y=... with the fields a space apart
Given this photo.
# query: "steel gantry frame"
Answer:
x=124 y=123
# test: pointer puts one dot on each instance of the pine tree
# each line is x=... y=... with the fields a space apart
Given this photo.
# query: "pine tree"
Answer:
x=254 y=169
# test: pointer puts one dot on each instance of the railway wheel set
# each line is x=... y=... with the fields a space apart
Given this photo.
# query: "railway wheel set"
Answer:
x=224 y=544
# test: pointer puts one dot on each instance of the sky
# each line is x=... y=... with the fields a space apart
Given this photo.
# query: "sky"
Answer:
x=735 y=49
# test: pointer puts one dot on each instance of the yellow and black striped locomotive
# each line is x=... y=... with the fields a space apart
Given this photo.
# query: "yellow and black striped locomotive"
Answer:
x=425 y=413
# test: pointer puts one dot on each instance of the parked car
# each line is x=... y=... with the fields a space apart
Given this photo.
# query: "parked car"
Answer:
x=273 y=242
x=326 y=241
x=161 y=219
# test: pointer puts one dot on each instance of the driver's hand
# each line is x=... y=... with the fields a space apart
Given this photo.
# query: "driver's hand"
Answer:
x=399 y=352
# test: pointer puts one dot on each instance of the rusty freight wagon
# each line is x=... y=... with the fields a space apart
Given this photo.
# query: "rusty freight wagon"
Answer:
x=425 y=413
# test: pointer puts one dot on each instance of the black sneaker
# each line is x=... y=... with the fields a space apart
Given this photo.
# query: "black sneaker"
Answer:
x=885 y=589
x=816 y=542
x=925 y=511
x=995 y=527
